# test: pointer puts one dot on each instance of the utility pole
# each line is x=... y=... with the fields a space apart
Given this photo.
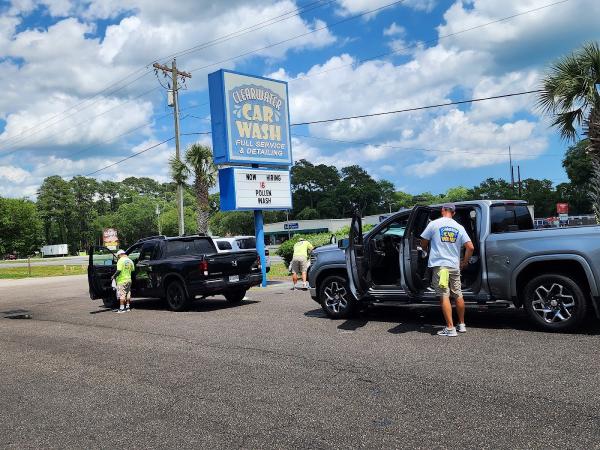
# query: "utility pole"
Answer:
x=175 y=74
x=520 y=185
x=512 y=173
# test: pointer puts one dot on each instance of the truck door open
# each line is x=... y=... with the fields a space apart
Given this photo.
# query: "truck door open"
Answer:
x=356 y=262
x=414 y=265
x=101 y=266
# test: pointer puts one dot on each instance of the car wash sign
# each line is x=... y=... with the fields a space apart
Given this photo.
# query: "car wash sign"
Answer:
x=245 y=188
x=250 y=119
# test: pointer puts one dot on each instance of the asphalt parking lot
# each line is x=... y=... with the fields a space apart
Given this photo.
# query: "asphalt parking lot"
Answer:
x=275 y=373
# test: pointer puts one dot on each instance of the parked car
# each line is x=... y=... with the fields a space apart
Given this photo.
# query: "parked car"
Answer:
x=240 y=243
x=553 y=273
x=10 y=257
x=178 y=269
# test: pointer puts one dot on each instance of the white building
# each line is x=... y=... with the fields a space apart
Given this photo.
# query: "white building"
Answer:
x=278 y=232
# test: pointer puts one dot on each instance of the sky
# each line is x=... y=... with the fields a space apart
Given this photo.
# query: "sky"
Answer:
x=79 y=92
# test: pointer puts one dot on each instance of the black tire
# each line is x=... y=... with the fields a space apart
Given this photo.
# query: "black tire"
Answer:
x=336 y=299
x=177 y=297
x=555 y=302
x=110 y=302
x=235 y=296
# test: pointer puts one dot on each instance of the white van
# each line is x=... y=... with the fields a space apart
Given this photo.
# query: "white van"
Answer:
x=238 y=243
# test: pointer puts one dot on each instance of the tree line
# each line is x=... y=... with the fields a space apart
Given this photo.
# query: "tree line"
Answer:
x=75 y=211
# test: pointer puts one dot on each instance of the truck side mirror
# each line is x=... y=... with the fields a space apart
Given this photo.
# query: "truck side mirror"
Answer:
x=344 y=243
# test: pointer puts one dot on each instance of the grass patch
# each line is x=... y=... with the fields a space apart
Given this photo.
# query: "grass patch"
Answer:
x=278 y=270
x=41 y=271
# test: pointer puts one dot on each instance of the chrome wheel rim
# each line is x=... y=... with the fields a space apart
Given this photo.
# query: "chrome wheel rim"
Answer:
x=554 y=304
x=336 y=297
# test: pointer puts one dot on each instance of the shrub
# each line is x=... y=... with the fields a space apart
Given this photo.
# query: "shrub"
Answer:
x=286 y=250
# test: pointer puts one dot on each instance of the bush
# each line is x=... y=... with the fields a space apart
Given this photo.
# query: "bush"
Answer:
x=286 y=250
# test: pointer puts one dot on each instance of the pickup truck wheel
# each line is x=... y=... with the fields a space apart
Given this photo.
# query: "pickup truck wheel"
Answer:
x=177 y=298
x=235 y=296
x=555 y=302
x=336 y=299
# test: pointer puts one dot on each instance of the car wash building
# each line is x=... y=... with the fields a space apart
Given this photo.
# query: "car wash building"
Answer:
x=276 y=233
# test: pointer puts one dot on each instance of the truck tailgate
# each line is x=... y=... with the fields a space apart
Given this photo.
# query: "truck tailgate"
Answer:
x=232 y=263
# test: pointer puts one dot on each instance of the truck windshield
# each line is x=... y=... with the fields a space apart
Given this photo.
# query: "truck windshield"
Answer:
x=510 y=218
x=188 y=247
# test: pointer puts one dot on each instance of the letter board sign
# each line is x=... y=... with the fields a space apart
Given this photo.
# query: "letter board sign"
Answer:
x=246 y=188
x=250 y=119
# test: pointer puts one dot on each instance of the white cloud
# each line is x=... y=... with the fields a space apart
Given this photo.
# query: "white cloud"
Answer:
x=394 y=30
x=352 y=7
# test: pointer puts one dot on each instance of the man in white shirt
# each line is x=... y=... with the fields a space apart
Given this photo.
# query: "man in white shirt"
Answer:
x=447 y=238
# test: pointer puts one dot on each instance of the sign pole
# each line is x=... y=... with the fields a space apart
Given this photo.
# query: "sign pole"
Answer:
x=260 y=243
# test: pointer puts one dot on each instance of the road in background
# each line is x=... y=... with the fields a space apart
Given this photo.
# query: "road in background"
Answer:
x=274 y=372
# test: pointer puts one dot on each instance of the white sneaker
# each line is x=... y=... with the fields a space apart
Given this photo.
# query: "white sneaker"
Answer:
x=450 y=332
x=461 y=328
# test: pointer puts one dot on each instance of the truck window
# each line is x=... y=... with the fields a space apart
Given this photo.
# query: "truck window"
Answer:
x=224 y=245
x=246 y=243
x=188 y=247
x=147 y=251
x=510 y=218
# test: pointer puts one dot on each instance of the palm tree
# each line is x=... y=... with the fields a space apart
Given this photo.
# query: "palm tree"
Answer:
x=198 y=162
x=570 y=96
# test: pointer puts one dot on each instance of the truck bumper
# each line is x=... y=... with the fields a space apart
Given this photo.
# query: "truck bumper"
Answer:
x=219 y=285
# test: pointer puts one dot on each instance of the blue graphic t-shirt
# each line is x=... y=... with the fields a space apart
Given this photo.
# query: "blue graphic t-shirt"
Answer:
x=446 y=237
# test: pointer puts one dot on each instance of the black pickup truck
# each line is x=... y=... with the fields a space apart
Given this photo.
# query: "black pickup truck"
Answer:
x=177 y=269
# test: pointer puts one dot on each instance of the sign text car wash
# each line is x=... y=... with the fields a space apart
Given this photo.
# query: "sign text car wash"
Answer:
x=251 y=145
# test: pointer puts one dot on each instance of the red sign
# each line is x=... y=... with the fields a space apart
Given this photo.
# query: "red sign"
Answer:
x=562 y=208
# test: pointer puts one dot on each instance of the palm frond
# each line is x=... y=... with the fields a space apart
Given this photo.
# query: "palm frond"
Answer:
x=180 y=172
x=565 y=123
x=568 y=91
x=199 y=158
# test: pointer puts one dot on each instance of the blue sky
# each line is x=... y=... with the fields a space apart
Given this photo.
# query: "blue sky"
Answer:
x=78 y=94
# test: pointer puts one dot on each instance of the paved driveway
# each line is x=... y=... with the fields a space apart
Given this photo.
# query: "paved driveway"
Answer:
x=275 y=373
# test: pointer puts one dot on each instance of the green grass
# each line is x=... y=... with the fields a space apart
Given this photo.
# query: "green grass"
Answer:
x=278 y=270
x=41 y=271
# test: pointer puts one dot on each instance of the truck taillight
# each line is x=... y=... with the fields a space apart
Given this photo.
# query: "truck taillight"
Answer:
x=204 y=267
x=258 y=262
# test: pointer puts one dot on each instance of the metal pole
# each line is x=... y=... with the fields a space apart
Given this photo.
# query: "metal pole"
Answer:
x=287 y=222
x=260 y=243
x=158 y=220
x=176 y=116
x=512 y=175
x=29 y=264
x=520 y=185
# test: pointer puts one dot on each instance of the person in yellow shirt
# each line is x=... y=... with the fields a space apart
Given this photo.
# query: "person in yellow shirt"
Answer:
x=122 y=276
x=302 y=250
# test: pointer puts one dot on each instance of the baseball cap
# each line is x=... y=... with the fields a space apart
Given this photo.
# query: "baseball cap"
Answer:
x=121 y=252
x=449 y=206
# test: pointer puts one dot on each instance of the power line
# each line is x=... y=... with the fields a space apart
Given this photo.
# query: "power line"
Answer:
x=143 y=151
x=356 y=16
x=419 y=108
x=129 y=157
x=185 y=51
x=78 y=123
x=131 y=130
x=430 y=41
x=369 y=115
x=414 y=149
x=269 y=22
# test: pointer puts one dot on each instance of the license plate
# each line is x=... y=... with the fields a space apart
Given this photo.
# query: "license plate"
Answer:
x=234 y=278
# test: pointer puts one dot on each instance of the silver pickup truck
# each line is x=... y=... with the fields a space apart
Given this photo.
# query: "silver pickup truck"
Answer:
x=553 y=273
